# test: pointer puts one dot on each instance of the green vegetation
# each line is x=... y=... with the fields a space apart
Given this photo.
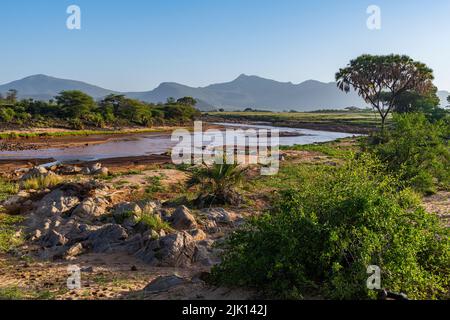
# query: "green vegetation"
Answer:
x=154 y=222
x=76 y=110
x=8 y=229
x=332 y=149
x=417 y=150
x=42 y=182
x=382 y=80
x=325 y=232
x=359 y=121
x=18 y=293
x=155 y=186
x=7 y=189
x=217 y=183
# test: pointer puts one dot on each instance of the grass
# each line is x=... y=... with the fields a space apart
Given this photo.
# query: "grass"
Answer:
x=41 y=182
x=356 y=119
x=335 y=149
x=155 y=186
x=7 y=189
x=154 y=222
x=8 y=229
x=17 y=293
x=16 y=135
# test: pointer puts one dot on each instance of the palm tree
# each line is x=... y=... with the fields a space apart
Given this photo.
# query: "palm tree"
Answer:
x=218 y=184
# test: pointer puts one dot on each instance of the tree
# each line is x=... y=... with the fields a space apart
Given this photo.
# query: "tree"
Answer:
x=381 y=80
x=75 y=104
x=11 y=96
x=187 y=101
x=448 y=100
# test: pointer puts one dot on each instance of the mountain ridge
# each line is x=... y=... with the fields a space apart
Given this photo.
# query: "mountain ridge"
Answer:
x=246 y=91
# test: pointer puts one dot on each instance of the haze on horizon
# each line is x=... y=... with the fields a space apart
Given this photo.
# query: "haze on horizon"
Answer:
x=135 y=45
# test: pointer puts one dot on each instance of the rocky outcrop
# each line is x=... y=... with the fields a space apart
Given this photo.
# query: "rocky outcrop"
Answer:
x=182 y=219
x=107 y=238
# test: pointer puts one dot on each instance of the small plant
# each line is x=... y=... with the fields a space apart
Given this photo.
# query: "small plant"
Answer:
x=7 y=189
x=8 y=230
x=39 y=183
x=154 y=222
x=218 y=184
x=155 y=186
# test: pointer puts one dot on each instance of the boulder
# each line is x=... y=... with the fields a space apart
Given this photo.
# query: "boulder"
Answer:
x=68 y=170
x=182 y=219
x=56 y=202
x=164 y=283
x=74 y=251
x=15 y=203
x=95 y=167
x=220 y=215
x=53 y=239
x=127 y=213
x=107 y=238
x=173 y=250
x=34 y=172
x=197 y=234
x=91 y=208
x=102 y=172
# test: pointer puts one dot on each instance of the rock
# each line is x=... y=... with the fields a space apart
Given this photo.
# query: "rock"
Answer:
x=87 y=269
x=106 y=238
x=197 y=234
x=95 y=167
x=34 y=172
x=53 y=239
x=134 y=243
x=182 y=219
x=148 y=206
x=56 y=202
x=74 y=251
x=68 y=170
x=91 y=208
x=85 y=171
x=173 y=250
x=220 y=215
x=14 y=204
x=164 y=283
x=127 y=214
x=102 y=172
x=202 y=256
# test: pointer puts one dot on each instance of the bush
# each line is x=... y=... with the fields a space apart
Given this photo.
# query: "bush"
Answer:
x=321 y=237
x=417 y=150
x=41 y=182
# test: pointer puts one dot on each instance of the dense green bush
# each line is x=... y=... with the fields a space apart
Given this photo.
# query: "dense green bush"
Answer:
x=320 y=238
x=78 y=110
x=417 y=150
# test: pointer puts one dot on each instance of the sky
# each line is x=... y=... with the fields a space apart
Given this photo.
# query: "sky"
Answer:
x=135 y=45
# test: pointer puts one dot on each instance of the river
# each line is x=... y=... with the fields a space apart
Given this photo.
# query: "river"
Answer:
x=159 y=143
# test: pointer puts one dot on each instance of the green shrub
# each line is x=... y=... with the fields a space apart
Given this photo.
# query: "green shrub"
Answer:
x=41 y=182
x=154 y=222
x=321 y=237
x=416 y=150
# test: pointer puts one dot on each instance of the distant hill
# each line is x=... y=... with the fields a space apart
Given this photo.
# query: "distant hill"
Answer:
x=42 y=87
x=243 y=92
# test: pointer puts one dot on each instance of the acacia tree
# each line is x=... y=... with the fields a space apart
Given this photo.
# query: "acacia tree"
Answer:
x=381 y=80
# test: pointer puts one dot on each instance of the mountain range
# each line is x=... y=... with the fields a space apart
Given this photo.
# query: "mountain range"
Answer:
x=243 y=92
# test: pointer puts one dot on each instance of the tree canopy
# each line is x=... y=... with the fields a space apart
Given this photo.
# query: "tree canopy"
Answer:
x=382 y=80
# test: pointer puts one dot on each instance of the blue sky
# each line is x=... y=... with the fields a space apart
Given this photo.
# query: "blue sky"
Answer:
x=134 y=45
